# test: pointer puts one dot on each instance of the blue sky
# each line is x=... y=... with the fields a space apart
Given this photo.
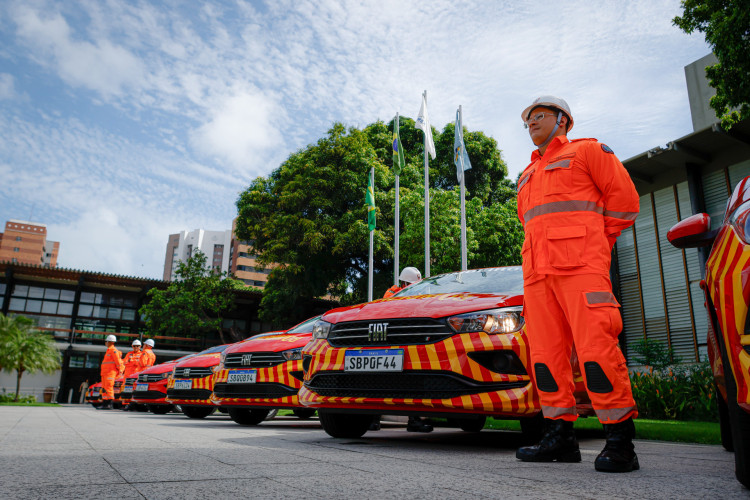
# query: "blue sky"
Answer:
x=122 y=122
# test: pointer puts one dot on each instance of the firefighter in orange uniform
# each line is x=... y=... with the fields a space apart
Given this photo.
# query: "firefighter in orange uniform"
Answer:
x=408 y=276
x=574 y=199
x=133 y=359
x=147 y=357
x=112 y=366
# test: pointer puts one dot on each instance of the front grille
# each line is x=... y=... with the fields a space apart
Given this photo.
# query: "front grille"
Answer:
x=147 y=395
x=131 y=381
x=118 y=384
x=256 y=359
x=150 y=378
x=188 y=393
x=262 y=390
x=426 y=385
x=412 y=331
x=192 y=372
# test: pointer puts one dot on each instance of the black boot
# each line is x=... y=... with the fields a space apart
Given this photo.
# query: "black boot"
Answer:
x=558 y=443
x=619 y=453
x=106 y=405
x=416 y=424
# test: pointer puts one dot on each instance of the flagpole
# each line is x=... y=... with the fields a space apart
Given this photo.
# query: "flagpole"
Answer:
x=464 y=264
x=426 y=202
x=396 y=224
x=372 y=241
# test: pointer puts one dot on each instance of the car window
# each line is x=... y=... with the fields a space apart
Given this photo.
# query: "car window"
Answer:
x=498 y=280
x=305 y=326
x=218 y=348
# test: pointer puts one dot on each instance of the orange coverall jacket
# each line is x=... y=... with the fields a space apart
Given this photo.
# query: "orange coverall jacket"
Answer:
x=392 y=291
x=147 y=358
x=112 y=365
x=132 y=363
x=573 y=202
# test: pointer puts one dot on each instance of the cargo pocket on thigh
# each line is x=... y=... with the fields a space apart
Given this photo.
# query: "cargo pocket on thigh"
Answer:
x=527 y=261
x=606 y=301
x=565 y=246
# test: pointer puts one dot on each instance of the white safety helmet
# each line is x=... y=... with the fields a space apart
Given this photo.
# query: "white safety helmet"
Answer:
x=549 y=101
x=150 y=342
x=136 y=342
x=110 y=338
x=410 y=275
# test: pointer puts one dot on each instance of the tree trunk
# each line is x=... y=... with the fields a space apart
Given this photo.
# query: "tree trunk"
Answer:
x=18 y=383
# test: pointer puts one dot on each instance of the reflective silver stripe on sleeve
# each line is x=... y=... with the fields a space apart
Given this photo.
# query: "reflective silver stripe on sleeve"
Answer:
x=621 y=215
x=613 y=415
x=600 y=298
x=562 y=206
x=558 y=164
x=555 y=412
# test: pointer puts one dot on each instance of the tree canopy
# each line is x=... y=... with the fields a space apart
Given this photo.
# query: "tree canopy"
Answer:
x=24 y=349
x=193 y=304
x=726 y=24
x=309 y=214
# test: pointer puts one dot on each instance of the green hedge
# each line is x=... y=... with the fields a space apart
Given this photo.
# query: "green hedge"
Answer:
x=681 y=392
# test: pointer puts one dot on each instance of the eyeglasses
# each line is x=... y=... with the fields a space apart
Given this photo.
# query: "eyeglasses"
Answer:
x=537 y=118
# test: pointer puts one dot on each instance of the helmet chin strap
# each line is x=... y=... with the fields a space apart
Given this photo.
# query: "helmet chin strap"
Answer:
x=552 y=134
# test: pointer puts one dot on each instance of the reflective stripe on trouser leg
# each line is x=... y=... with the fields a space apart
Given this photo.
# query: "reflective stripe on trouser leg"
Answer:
x=108 y=387
x=595 y=322
x=551 y=344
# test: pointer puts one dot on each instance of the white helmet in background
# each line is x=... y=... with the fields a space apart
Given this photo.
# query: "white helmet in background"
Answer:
x=110 y=338
x=410 y=275
x=136 y=342
x=150 y=342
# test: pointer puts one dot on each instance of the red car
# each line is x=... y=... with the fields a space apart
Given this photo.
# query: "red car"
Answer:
x=727 y=291
x=151 y=388
x=192 y=382
x=94 y=395
x=450 y=346
x=262 y=374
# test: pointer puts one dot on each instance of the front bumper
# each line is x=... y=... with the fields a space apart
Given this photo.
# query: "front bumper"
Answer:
x=274 y=387
x=198 y=395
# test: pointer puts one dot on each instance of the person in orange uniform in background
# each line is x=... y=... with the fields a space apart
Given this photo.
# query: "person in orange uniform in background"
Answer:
x=133 y=359
x=112 y=366
x=408 y=276
x=574 y=199
x=147 y=357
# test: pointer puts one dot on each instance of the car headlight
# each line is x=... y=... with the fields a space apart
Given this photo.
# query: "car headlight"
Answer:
x=222 y=358
x=165 y=375
x=321 y=329
x=504 y=320
x=292 y=354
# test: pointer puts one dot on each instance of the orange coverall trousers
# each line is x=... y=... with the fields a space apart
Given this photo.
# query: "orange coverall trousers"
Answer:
x=108 y=384
x=566 y=310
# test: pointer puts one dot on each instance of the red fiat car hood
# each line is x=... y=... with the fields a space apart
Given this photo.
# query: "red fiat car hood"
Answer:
x=160 y=368
x=423 y=306
x=274 y=342
x=200 y=361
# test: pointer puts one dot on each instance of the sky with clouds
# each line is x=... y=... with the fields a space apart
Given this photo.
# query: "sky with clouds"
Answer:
x=122 y=122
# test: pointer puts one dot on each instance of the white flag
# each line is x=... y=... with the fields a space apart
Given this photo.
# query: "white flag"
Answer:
x=423 y=122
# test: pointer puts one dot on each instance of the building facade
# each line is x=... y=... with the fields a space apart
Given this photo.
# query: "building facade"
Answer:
x=659 y=285
x=26 y=243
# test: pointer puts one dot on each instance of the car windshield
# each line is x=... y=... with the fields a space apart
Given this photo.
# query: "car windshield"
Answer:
x=218 y=348
x=305 y=326
x=497 y=280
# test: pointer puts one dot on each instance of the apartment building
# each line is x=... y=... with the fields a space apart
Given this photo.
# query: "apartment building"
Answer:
x=26 y=243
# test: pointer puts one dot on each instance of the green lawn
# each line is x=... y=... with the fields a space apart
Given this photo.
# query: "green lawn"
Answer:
x=29 y=404
x=661 y=430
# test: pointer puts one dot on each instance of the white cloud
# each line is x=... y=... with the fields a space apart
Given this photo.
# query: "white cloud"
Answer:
x=7 y=87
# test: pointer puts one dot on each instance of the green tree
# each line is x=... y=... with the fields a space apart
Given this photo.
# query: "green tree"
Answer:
x=24 y=349
x=726 y=24
x=193 y=304
x=309 y=214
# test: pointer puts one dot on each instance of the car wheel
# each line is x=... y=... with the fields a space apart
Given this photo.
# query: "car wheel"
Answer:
x=197 y=411
x=344 y=425
x=724 y=425
x=303 y=413
x=243 y=416
x=533 y=427
x=160 y=409
x=96 y=405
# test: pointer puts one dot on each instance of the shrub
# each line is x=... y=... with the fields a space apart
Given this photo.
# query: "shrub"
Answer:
x=653 y=353
x=684 y=392
x=8 y=398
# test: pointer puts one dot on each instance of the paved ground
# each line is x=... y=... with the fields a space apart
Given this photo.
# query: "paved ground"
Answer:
x=78 y=452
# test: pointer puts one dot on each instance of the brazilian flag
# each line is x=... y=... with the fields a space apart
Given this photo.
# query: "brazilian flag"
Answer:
x=370 y=200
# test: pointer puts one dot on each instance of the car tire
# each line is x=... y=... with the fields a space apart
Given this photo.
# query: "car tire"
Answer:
x=345 y=425
x=468 y=424
x=159 y=409
x=303 y=413
x=197 y=411
x=244 y=416
x=724 y=425
x=532 y=428
x=96 y=405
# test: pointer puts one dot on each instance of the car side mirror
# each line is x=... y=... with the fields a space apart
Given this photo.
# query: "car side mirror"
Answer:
x=695 y=231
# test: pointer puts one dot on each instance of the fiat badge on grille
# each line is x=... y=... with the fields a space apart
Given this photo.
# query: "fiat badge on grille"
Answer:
x=246 y=359
x=377 y=332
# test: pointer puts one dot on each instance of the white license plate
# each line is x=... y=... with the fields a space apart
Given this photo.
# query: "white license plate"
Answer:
x=141 y=387
x=241 y=376
x=183 y=384
x=128 y=389
x=374 y=360
x=95 y=394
